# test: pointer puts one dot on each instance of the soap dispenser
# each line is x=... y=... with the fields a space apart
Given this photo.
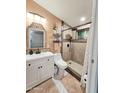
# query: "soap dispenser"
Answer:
x=31 y=52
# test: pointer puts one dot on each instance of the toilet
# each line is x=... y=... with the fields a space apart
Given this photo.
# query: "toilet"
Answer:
x=60 y=66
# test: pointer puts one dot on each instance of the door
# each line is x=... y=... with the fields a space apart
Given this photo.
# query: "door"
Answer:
x=31 y=76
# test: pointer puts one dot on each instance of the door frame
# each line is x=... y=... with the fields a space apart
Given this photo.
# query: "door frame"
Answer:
x=91 y=57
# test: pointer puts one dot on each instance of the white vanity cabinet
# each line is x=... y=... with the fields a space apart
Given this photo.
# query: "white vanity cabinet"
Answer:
x=39 y=70
x=31 y=76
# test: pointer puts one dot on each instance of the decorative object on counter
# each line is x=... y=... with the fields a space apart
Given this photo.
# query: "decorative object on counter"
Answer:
x=38 y=51
x=31 y=52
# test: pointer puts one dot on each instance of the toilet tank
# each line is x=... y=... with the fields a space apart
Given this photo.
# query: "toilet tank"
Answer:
x=57 y=57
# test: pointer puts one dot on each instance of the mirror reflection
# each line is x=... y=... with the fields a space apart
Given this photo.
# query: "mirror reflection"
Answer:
x=36 y=38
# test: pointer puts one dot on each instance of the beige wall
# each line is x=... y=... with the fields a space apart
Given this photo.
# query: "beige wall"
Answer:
x=78 y=52
x=51 y=21
x=75 y=51
x=66 y=51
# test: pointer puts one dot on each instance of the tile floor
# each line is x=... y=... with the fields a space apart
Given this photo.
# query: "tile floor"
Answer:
x=67 y=85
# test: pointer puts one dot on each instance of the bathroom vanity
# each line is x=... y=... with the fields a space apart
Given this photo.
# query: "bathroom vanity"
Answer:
x=39 y=67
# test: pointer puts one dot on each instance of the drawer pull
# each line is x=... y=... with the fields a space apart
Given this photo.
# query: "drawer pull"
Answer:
x=48 y=59
x=29 y=64
x=38 y=67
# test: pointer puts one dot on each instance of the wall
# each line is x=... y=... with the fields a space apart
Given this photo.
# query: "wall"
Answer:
x=78 y=52
x=75 y=51
x=31 y=6
x=66 y=51
x=67 y=32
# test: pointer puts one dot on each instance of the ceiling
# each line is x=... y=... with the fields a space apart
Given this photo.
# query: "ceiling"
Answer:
x=70 y=11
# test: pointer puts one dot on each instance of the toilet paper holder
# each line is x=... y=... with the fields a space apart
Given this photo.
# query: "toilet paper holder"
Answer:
x=84 y=80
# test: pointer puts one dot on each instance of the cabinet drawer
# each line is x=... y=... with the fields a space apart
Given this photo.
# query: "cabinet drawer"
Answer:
x=46 y=66
x=35 y=62
x=47 y=59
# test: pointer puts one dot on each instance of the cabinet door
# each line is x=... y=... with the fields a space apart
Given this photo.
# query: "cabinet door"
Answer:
x=47 y=70
x=31 y=77
x=40 y=72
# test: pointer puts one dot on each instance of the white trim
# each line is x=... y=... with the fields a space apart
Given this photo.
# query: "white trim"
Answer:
x=36 y=29
x=91 y=53
x=91 y=86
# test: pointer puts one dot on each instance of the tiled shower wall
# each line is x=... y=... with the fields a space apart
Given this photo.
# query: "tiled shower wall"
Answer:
x=66 y=52
x=75 y=51
x=78 y=52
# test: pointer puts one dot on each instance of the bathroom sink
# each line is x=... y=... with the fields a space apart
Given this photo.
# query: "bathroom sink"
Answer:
x=37 y=56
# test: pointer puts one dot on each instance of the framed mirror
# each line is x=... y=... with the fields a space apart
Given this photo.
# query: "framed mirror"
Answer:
x=36 y=38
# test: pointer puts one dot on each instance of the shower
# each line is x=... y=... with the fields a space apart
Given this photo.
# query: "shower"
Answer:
x=73 y=50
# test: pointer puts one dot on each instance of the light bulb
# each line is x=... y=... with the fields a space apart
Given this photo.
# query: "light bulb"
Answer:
x=83 y=19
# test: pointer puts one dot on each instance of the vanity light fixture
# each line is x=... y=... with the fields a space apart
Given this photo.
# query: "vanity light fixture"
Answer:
x=36 y=18
x=30 y=16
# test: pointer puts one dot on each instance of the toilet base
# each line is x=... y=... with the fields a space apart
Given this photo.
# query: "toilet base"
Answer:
x=60 y=74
